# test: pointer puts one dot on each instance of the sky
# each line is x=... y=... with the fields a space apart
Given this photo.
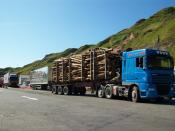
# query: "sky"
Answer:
x=30 y=29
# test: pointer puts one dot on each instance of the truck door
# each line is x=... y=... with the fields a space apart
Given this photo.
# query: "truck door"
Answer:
x=123 y=69
x=133 y=71
x=128 y=70
x=139 y=69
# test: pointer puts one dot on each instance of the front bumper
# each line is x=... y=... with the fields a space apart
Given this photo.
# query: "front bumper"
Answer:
x=148 y=91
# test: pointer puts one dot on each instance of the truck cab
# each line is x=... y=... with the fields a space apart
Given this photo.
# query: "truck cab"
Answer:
x=10 y=79
x=150 y=71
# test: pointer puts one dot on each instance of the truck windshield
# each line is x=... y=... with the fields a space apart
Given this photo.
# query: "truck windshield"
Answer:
x=159 y=62
x=13 y=78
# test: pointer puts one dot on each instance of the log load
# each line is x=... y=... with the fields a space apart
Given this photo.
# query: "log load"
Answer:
x=94 y=65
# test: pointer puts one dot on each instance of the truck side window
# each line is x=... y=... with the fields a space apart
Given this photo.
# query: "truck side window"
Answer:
x=139 y=62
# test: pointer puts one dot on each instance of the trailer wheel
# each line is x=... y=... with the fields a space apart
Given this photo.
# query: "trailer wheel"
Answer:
x=66 y=90
x=55 y=90
x=101 y=93
x=108 y=92
x=60 y=90
x=135 y=94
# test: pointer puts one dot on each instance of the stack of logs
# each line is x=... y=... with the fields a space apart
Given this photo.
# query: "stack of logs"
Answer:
x=94 y=65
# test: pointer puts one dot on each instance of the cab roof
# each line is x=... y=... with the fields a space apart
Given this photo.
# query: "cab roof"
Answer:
x=143 y=52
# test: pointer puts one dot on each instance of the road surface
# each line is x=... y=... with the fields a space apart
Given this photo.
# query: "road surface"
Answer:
x=27 y=111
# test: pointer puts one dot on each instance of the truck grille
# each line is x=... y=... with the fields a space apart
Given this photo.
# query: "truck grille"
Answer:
x=160 y=78
x=163 y=89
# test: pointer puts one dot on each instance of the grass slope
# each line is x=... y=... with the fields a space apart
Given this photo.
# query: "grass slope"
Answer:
x=145 y=32
x=46 y=61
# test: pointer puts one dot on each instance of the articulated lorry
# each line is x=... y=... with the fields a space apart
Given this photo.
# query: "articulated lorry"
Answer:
x=138 y=74
x=11 y=79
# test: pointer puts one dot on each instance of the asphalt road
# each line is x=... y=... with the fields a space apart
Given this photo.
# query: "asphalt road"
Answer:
x=27 y=111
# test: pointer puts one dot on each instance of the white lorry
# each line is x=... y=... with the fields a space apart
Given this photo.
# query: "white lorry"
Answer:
x=11 y=79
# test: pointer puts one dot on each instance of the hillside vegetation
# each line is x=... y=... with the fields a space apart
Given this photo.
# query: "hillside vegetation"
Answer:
x=143 y=34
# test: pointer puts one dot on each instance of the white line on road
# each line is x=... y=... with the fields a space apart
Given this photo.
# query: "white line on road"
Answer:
x=35 y=99
x=1 y=90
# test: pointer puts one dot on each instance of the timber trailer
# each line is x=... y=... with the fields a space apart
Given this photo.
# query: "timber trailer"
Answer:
x=135 y=74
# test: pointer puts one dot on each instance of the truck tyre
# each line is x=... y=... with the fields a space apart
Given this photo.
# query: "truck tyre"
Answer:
x=55 y=90
x=135 y=94
x=60 y=90
x=66 y=90
x=101 y=93
x=82 y=91
x=108 y=92
x=49 y=88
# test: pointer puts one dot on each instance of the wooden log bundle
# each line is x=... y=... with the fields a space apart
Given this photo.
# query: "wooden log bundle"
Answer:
x=94 y=65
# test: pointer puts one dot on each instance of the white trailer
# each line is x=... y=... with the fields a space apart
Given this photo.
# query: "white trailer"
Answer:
x=24 y=80
x=39 y=79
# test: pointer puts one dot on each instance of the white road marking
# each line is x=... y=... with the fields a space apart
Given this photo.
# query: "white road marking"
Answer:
x=1 y=90
x=35 y=99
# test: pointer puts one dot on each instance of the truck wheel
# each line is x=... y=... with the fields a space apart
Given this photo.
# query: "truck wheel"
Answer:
x=101 y=93
x=66 y=90
x=82 y=91
x=135 y=94
x=108 y=92
x=49 y=88
x=55 y=90
x=60 y=90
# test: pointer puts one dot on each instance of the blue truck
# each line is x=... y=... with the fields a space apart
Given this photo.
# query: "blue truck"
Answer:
x=140 y=74
x=149 y=73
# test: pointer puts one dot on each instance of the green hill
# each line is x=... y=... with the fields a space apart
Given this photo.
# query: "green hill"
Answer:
x=47 y=60
x=143 y=34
